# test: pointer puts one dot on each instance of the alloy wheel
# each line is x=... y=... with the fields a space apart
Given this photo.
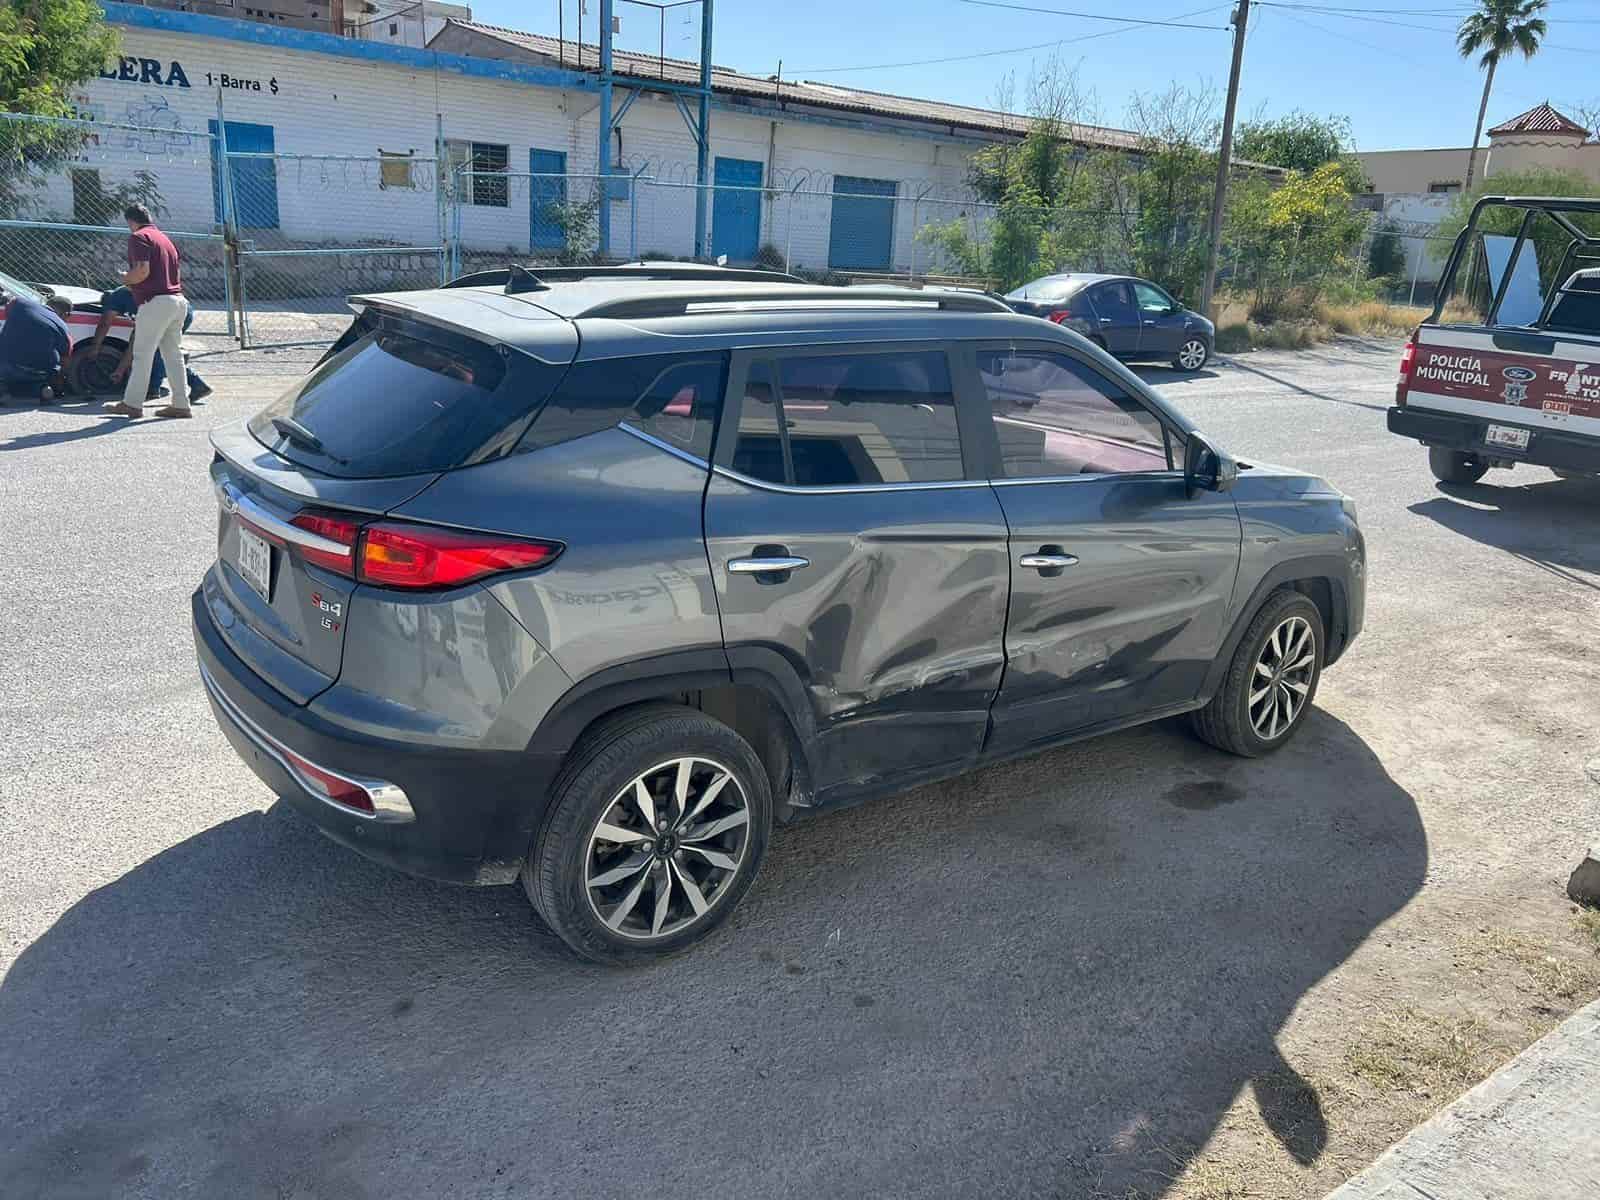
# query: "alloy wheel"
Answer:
x=1192 y=356
x=1282 y=678
x=666 y=848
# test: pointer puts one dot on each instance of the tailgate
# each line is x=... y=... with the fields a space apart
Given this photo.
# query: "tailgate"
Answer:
x=278 y=610
x=1538 y=381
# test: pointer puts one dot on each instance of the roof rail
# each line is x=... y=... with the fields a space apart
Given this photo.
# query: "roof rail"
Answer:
x=804 y=296
x=502 y=276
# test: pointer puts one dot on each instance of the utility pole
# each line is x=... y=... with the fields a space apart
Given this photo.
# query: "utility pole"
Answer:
x=1241 y=15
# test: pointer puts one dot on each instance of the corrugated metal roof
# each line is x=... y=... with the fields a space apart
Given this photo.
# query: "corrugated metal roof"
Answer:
x=1542 y=119
x=729 y=82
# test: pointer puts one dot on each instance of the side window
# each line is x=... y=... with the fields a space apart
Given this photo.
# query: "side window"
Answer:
x=668 y=397
x=1152 y=300
x=845 y=419
x=1055 y=416
x=1113 y=300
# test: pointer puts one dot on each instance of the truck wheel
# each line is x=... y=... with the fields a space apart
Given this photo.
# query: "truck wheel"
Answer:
x=1455 y=466
x=657 y=828
x=1271 y=681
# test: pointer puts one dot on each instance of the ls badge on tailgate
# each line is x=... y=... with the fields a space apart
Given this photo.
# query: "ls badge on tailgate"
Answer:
x=329 y=610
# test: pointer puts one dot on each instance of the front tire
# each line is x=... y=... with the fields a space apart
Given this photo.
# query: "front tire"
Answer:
x=1455 y=466
x=657 y=828
x=1271 y=681
x=1192 y=355
x=89 y=372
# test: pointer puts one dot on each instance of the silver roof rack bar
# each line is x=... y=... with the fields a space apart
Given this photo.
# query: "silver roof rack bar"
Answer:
x=792 y=296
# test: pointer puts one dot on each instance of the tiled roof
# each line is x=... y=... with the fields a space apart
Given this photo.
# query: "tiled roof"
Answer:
x=727 y=81
x=1542 y=119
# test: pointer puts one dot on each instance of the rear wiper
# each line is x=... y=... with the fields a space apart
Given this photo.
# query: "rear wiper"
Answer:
x=296 y=432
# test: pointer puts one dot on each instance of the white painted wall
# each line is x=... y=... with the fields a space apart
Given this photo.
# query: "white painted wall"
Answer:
x=328 y=105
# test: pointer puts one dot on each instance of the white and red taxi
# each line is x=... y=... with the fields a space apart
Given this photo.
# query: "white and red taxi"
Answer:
x=82 y=375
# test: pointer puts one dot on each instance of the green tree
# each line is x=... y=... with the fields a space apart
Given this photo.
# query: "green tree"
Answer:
x=47 y=47
x=1291 y=238
x=1297 y=140
x=1386 y=258
x=1499 y=27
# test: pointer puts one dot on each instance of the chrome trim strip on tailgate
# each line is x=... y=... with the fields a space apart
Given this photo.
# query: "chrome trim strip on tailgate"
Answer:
x=389 y=803
x=235 y=502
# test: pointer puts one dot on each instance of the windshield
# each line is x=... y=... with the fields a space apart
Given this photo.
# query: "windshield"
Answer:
x=12 y=287
x=1051 y=287
x=400 y=397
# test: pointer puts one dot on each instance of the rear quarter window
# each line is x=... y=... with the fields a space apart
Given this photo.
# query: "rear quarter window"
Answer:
x=399 y=397
x=669 y=396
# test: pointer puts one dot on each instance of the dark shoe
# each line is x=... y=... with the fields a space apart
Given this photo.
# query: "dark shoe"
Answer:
x=197 y=395
x=173 y=411
x=157 y=393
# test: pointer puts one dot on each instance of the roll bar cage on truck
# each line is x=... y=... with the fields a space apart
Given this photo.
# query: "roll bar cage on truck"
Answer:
x=1506 y=368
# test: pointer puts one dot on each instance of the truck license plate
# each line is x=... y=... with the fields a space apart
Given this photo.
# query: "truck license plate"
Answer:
x=255 y=561
x=1505 y=435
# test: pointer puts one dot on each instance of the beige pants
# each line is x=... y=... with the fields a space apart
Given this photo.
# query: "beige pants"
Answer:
x=158 y=325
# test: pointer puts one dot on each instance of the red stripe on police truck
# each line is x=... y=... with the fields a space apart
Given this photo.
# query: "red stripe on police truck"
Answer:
x=1549 y=385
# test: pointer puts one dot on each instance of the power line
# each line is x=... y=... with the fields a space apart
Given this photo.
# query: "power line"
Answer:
x=1176 y=23
x=928 y=62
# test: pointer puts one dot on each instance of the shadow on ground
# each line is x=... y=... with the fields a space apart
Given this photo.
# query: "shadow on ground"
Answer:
x=1047 y=979
x=1553 y=525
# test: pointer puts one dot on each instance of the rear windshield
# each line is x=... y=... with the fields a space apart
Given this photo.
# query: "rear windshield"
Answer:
x=398 y=397
x=1046 y=289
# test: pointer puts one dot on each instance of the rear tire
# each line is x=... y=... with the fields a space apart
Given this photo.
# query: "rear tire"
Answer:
x=1455 y=466
x=1267 y=672
x=624 y=881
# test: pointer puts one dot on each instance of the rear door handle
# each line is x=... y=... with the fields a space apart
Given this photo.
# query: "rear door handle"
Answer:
x=766 y=566
x=1105 y=320
x=1048 y=562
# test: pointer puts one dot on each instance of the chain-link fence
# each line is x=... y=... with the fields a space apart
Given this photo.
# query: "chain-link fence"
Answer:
x=296 y=269
x=64 y=184
x=275 y=239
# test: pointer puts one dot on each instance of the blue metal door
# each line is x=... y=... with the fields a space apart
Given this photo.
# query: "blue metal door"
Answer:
x=861 y=235
x=736 y=215
x=545 y=198
x=255 y=180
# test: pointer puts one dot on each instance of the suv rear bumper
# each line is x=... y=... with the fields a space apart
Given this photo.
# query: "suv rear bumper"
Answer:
x=472 y=812
x=1546 y=447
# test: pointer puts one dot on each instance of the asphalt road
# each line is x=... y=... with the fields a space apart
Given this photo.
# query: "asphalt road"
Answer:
x=1050 y=978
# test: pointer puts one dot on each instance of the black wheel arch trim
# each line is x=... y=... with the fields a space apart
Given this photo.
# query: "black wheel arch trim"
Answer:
x=663 y=676
x=1331 y=567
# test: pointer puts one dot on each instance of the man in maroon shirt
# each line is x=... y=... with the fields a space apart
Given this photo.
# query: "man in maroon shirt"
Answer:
x=152 y=276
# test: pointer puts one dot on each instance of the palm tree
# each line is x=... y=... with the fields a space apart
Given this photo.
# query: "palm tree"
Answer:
x=1498 y=27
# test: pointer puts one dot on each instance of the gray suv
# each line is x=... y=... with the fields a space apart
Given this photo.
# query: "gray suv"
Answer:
x=592 y=580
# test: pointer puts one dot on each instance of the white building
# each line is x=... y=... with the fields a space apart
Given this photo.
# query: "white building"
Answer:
x=847 y=175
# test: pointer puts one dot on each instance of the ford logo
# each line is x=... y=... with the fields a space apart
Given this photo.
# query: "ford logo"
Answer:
x=1520 y=374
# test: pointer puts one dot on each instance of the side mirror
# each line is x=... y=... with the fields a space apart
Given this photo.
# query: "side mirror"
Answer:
x=1205 y=468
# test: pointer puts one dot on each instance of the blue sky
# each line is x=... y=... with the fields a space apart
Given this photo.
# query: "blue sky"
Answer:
x=1393 y=70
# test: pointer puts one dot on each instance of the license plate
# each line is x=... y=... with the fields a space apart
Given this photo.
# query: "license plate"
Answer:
x=255 y=561
x=1505 y=435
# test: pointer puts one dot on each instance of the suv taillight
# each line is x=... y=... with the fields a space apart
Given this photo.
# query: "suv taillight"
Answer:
x=422 y=556
x=1408 y=358
x=333 y=528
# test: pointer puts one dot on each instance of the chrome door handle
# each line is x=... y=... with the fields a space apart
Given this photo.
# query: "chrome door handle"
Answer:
x=1048 y=562
x=1105 y=320
x=1148 y=321
x=766 y=566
